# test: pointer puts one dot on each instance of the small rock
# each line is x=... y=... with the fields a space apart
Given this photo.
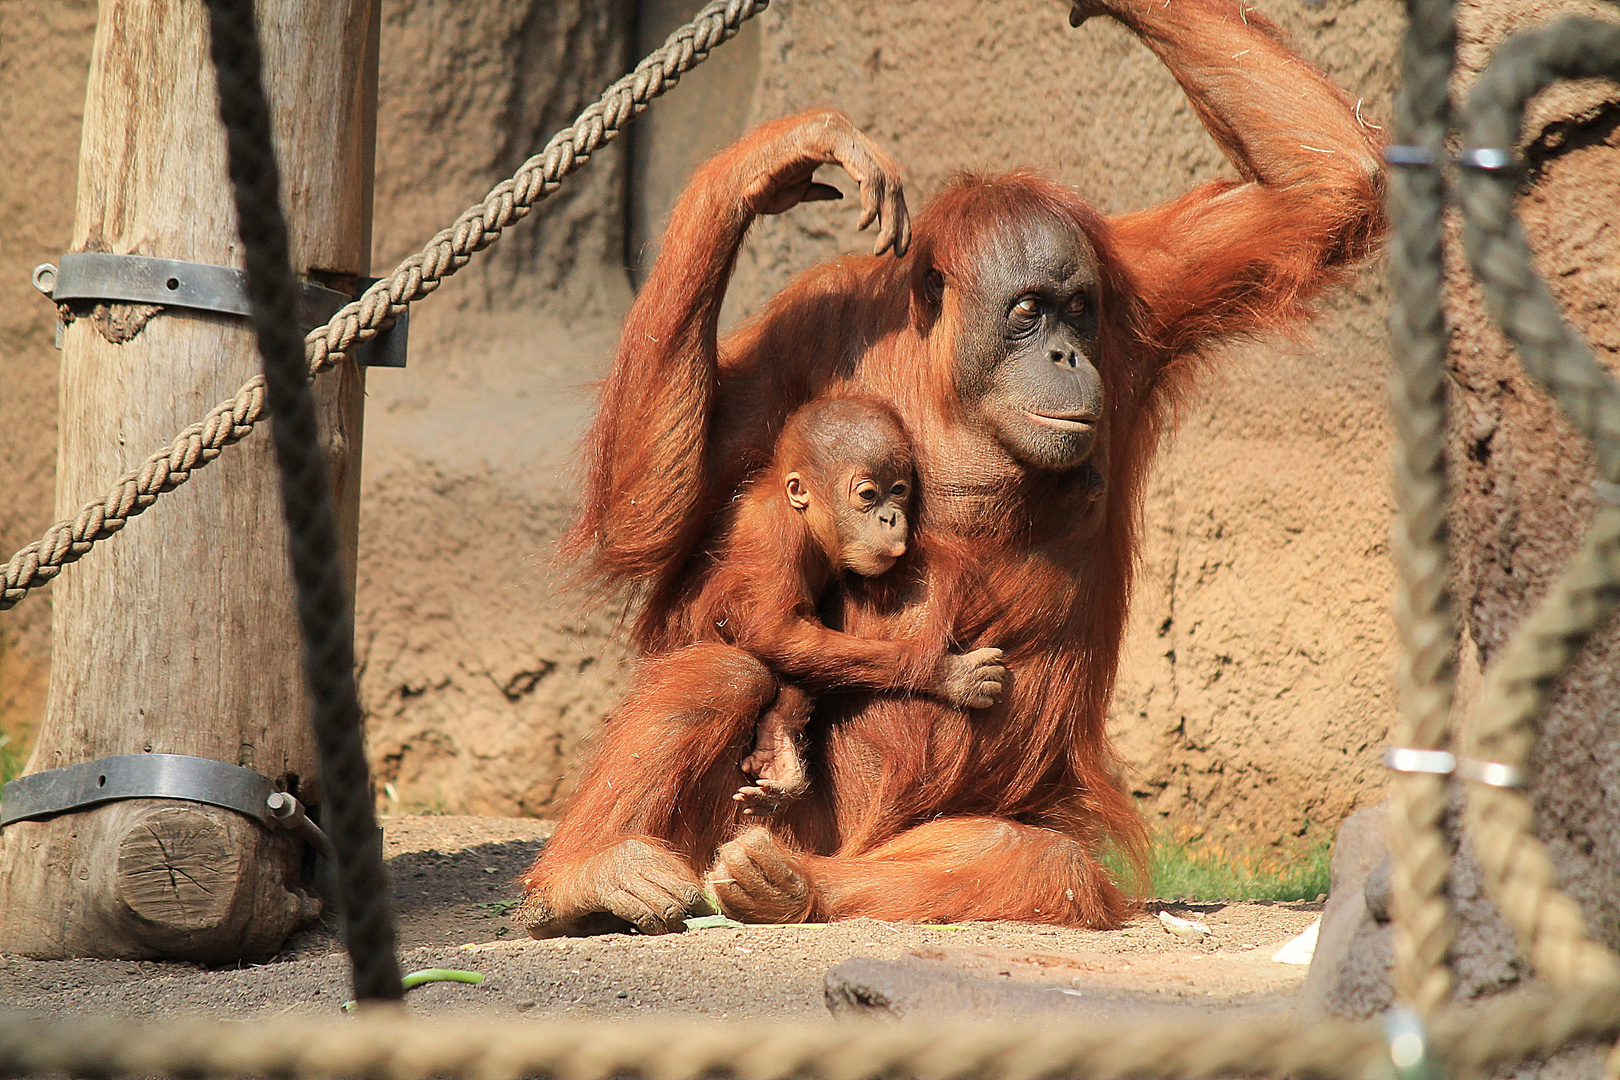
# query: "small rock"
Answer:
x=1187 y=929
x=1299 y=950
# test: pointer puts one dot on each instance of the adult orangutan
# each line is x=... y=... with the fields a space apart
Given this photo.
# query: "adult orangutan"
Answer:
x=1035 y=350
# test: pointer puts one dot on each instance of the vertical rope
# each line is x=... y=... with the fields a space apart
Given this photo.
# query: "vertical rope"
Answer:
x=324 y=614
x=1427 y=673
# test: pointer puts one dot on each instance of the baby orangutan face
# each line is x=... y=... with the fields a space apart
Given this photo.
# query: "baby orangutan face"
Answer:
x=857 y=512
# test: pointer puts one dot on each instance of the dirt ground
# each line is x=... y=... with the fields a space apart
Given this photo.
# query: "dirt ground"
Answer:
x=454 y=886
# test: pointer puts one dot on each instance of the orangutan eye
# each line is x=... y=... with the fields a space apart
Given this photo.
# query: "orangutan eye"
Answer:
x=899 y=490
x=1025 y=315
x=867 y=492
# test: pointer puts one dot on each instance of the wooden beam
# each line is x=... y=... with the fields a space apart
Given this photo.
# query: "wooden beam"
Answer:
x=178 y=636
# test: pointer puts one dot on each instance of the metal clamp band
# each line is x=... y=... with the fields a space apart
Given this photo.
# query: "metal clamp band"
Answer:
x=1607 y=491
x=1420 y=157
x=140 y=279
x=1407 y=760
x=1491 y=773
x=1444 y=763
x=137 y=776
x=1490 y=159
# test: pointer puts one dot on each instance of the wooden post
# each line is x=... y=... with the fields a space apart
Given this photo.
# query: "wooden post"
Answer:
x=178 y=635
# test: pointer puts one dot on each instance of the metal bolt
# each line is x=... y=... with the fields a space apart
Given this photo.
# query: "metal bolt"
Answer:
x=44 y=278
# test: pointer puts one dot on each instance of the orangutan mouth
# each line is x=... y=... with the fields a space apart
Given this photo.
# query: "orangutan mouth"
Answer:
x=1076 y=423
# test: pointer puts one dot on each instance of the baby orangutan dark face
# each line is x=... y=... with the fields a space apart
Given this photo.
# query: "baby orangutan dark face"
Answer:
x=854 y=489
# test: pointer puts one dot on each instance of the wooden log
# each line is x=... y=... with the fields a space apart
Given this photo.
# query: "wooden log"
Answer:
x=178 y=635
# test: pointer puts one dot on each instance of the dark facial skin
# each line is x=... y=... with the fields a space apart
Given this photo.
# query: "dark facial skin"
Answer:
x=1025 y=357
x=858 y=515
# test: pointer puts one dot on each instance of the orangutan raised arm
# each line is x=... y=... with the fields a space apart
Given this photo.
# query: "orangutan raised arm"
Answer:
x=1234 y=257
x=645 y=499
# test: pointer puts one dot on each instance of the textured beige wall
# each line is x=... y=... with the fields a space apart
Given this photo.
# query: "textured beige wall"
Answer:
x=44 y=58
x=478 y=681
x=1255 y=688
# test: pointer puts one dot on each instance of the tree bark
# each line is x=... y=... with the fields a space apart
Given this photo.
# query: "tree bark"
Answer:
x=179 y=635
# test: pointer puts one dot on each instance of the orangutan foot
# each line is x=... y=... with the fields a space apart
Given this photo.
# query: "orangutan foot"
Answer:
x=636 y=883
x=757 y=879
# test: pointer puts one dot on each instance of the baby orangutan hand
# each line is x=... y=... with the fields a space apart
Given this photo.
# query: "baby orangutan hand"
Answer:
x=971 y=680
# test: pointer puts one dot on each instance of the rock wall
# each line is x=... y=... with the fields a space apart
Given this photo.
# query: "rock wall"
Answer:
x=1255 y=690
x=477 y=679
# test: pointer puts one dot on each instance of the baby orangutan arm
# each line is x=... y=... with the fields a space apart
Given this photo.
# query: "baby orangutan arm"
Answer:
x=825 y=659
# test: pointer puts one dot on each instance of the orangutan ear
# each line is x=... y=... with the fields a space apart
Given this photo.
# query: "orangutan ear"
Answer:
x=798 y=494
x=927 y=298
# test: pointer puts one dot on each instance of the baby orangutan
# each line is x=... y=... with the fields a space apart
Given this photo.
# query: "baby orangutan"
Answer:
x=834 y=500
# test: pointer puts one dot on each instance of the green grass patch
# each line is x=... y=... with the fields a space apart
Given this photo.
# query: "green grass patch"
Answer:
x=11 y=762
x=1203 y=870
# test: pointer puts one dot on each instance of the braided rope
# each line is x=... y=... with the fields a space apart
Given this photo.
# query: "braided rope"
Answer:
x=1519 y=873
x=1427 y=672
x=385 y=1043
x=363 y=319
x=1518 y=870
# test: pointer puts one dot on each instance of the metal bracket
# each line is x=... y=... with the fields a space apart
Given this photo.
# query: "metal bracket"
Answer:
x=139 y=279
x=137 y=776
x=288 y=812
x=158 y=776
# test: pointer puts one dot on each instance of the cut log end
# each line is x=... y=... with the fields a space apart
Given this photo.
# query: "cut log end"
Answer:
x=149 y=879
x=178 y=871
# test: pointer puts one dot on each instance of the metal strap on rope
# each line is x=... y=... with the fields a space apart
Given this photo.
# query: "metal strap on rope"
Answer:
x=1486 y=159
x=1490 y=159
x=1498 y=774
x=1419 y=157
x=1606 y=491
x=157 y=776
x=140 y=279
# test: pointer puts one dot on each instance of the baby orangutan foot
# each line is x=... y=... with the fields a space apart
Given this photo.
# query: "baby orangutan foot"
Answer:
x=777 y=769
x=757 y=879
x=764 y=798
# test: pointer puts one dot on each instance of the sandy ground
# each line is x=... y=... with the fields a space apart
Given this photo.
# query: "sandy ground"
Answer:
x=454 y=888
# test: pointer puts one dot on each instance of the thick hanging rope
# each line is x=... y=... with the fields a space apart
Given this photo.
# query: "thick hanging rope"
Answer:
x=325 y=615
x=1427 y=671
x=478 y=227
